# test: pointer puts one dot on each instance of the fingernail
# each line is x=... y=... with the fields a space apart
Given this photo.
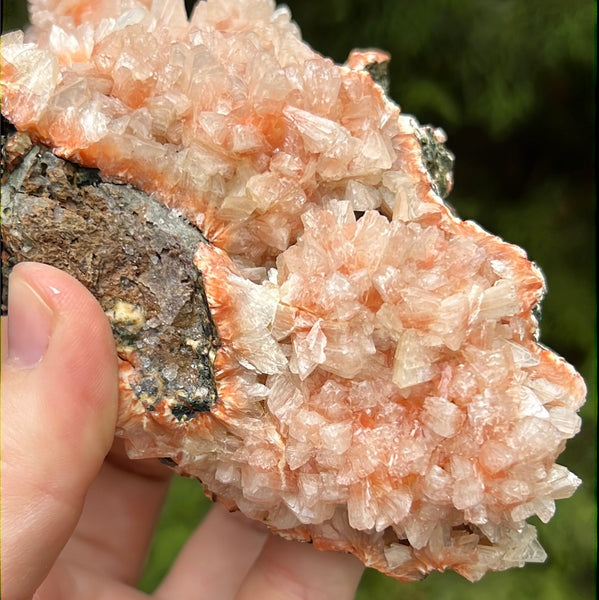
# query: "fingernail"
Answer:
x=30 y=322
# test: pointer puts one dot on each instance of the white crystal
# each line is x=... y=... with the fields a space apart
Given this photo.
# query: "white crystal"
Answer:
x=397 y=554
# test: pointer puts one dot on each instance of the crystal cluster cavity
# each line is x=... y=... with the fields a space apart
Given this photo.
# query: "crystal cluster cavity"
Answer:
x=380 y=386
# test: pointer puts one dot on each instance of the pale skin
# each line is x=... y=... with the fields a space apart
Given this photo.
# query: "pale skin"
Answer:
x=77 y=514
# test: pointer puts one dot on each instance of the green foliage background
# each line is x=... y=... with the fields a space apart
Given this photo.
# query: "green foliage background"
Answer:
x=512 y=83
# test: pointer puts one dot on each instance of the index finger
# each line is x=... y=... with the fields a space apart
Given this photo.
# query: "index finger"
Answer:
x=119 y=516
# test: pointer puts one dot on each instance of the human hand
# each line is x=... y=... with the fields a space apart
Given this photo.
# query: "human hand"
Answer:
x=77 y=515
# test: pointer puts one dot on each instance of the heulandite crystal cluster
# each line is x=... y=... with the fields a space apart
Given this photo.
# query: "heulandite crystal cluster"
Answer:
x=379 y=385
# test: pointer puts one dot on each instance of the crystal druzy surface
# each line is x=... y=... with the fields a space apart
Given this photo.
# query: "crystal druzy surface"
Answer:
x=380 y=385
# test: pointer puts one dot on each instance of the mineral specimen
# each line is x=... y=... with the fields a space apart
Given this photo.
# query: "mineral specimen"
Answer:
x=379 y=385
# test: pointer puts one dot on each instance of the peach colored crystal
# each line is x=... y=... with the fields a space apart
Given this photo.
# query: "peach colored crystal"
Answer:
x=381 y=390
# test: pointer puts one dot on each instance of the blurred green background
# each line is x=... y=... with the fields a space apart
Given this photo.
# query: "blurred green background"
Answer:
x=512 y=83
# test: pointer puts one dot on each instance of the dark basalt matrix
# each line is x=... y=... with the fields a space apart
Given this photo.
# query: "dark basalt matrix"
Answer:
x=132 y=253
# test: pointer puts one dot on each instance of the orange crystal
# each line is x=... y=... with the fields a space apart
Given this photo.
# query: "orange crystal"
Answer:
x=381 y=388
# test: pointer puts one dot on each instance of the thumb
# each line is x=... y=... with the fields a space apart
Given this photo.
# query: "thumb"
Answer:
x=59 y=402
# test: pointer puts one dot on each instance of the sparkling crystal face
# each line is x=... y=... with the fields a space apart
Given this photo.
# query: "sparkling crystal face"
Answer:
x=380 y=386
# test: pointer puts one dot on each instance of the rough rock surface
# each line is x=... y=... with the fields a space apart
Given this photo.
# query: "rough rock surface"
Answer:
x=135 y=255
x=380 y=388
